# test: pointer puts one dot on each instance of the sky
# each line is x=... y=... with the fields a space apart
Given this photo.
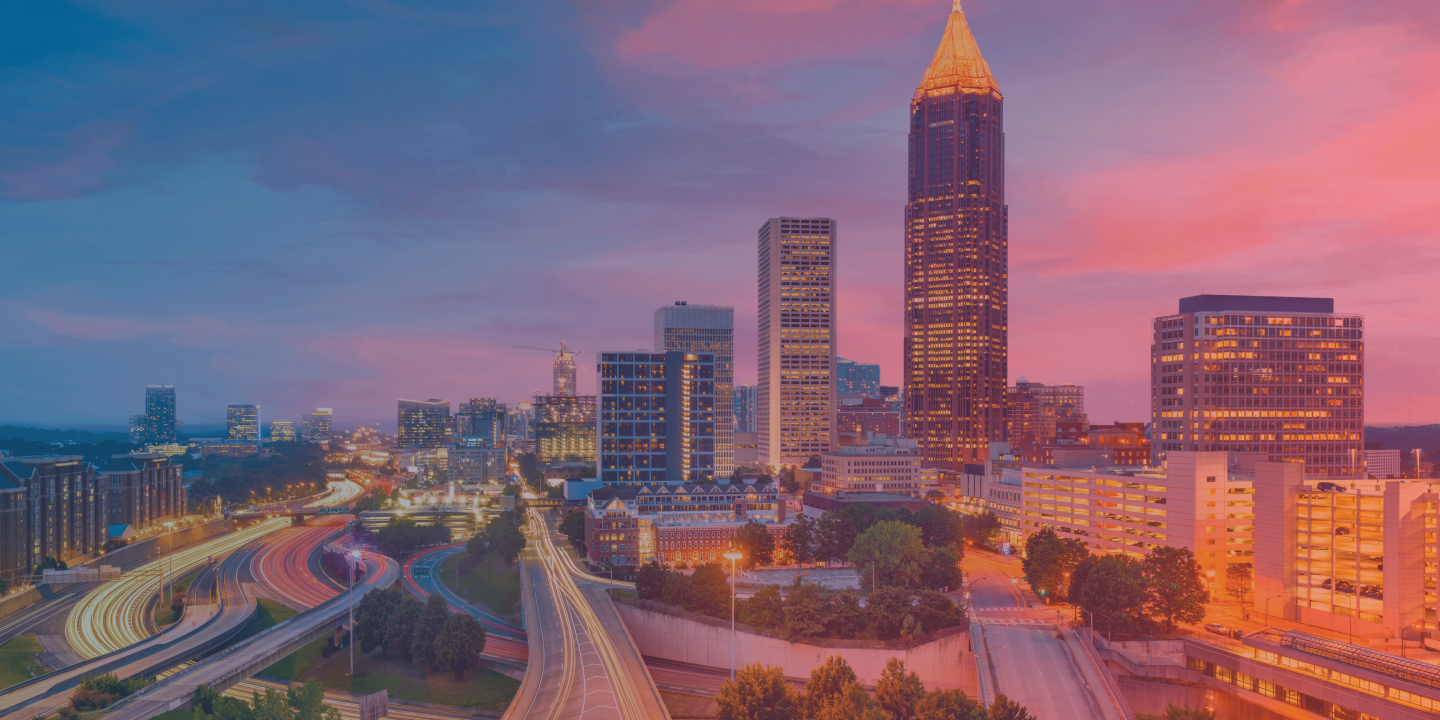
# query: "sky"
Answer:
x=337 y=204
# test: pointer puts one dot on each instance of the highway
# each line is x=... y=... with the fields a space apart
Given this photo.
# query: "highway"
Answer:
x=582 y=661
x=429 y=582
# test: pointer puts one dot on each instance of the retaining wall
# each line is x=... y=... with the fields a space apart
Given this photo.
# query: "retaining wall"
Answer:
x=944 y=662
x=151 y=547
x=29 y=598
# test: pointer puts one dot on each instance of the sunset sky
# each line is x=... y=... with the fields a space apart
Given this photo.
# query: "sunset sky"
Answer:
x=341 y=203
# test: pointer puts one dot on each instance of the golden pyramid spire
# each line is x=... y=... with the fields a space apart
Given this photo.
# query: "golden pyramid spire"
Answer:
x=958 y=60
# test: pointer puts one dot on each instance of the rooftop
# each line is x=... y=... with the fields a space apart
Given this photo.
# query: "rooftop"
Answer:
x=1255 y=303
x=958 y=60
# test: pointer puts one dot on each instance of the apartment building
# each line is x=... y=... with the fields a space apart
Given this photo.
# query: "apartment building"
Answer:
x=627 y=526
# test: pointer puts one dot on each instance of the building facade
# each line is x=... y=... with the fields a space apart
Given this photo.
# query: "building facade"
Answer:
x=657 y=418
x=563 y=373
x=747 y=399
x=242 y=423
x=1032 y=409
x=159 y=414
x=141 y=490
x=424 y=424
x=956 y=257
x=858 y=418
x=1382 y=464
x=883 y=465
x=282 y=431
x=317 y=426
x=483 y=419
x=856 y=380
x=796 y=395
x=626 y=527
x=564 y=428
x=706 y=330
x=1281 y=376
x=54 y=507
x=475 y=461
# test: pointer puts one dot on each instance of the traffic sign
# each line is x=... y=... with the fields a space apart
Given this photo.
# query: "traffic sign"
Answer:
x=420 y=571
x=333 y=511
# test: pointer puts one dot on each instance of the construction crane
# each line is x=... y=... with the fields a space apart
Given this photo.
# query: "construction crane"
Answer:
x=564 y=367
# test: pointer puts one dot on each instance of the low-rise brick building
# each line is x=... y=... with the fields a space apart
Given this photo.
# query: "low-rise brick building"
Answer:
x=626 y=527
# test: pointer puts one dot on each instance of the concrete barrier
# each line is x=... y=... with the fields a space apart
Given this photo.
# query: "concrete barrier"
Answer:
x=943 y=660
x=149 y=548
x=29 y=598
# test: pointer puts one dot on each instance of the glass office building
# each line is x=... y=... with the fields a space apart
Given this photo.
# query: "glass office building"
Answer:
x=657 y=418
x=242 y=423
x=424 y=423
x=706 y=330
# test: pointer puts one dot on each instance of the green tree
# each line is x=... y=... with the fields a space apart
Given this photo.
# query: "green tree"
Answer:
x=372 y=615
x=939 y=526
x=898 y=691
x=889 y=552
x=941 y=569
x=680 y=591
x=1006 y=709
x=427 y=629
x=711 y=590
x=935 y=611
x=400 y=626
x=1175 y=592
x=758 y=692
x=459 y=646
x=1049 y=560
x=828 y=686
x=799 y=540
x=1115 y=594
x=650 y=581
x=765 y=609
x=851 y=704
x=983 y=529
x=273 y=705
x=503 y=537
x=1077 y=578
x=756 y=545
x=805 y=611
x=573 y=527
x=510 y=490
x=888 y=611
x=846 y=618
x=308 y=702
x=949 y=705
x=1239 y=579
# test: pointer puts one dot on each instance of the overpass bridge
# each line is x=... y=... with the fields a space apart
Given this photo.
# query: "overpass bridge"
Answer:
x=291 y=511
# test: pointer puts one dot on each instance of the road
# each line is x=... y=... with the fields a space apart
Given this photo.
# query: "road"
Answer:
x=1016 y=635
x=582 y=661
x=428 y=583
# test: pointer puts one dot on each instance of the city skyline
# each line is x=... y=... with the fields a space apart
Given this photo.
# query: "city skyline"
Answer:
x=382 y=320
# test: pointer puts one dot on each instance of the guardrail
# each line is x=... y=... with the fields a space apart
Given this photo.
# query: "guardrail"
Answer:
x=1112 y=686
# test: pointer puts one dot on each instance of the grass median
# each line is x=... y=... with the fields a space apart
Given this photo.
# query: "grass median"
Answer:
x=16 y=659
x=163 y=616
x=492 y=584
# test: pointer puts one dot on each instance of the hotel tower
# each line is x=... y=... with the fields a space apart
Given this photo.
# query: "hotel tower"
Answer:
x=956 y=257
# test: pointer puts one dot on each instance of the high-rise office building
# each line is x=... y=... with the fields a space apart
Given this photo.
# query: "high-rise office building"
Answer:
x=282 y=431
x=317 y=426
x=796 y=397
x=747 y=399
x=482 y=419
x=859 y=380
x=475 y=460
x=1280 y=376
x=564 y=428
x=956 y=257
x=564 y=371
x=706 y=330
x=521 y=420
x=657 y=418
x=242 y=423
x=138 y=432
x=159 y=414
x=423 y=424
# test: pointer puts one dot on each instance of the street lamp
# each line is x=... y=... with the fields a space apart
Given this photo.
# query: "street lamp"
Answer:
x=1267 y=608
x=354 y=558
x=168 y=574
x=733 y=555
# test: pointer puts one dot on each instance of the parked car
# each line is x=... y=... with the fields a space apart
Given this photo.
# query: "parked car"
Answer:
x=1217 y=628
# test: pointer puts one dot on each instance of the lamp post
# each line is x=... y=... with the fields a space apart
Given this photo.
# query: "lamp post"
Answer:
x=1267 y=608
x=354 y=558
x=733 y=555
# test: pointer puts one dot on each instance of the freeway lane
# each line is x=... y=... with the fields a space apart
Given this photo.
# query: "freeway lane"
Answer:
x=429 y=583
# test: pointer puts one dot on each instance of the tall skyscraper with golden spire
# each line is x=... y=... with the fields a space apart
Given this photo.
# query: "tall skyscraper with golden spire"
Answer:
x=956 y=256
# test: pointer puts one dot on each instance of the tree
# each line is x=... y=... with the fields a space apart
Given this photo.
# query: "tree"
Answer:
x=680 y=591
x=888 y=613
x=1175 y=592
x=1115 y=594
x=573 y=527
x=400 y=626
x=949 y=705
x=711 y=590
x=939 y=526
x=846 y=618
x=1173 y=712
x=427 y=629
x=982 y=528
x=851 y=704
x=1238 y=580
x=756 y=545
x=941 y=569
x=804 y=611
x=308 y=702
x=503 y=537
x=828 y=685
x=459 y=646
x=935 y=611
x=1049 y=560
x=934 y=496
x=899 y=691
x=892 y=552
x=372 y=616
x=650 y=581
x=1077 y=578
x=1006 y=709
x=273 y=705
x=758 y=692
x=510 y=490
x=799 y=540
x=765 y=609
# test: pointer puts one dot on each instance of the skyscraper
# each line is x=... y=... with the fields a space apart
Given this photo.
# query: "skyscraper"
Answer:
x=956 y=257
x=423 y=423
x=317 y=426
x=159 y=414
x=564 y=428
x=853 y=379
x=564 y=371
x=282 y=431
x=1281 y=376
x=796 y=417
x=657 y=418
x=746 y=399
x=482 y=419
x=709 y=330
x=242 y=423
